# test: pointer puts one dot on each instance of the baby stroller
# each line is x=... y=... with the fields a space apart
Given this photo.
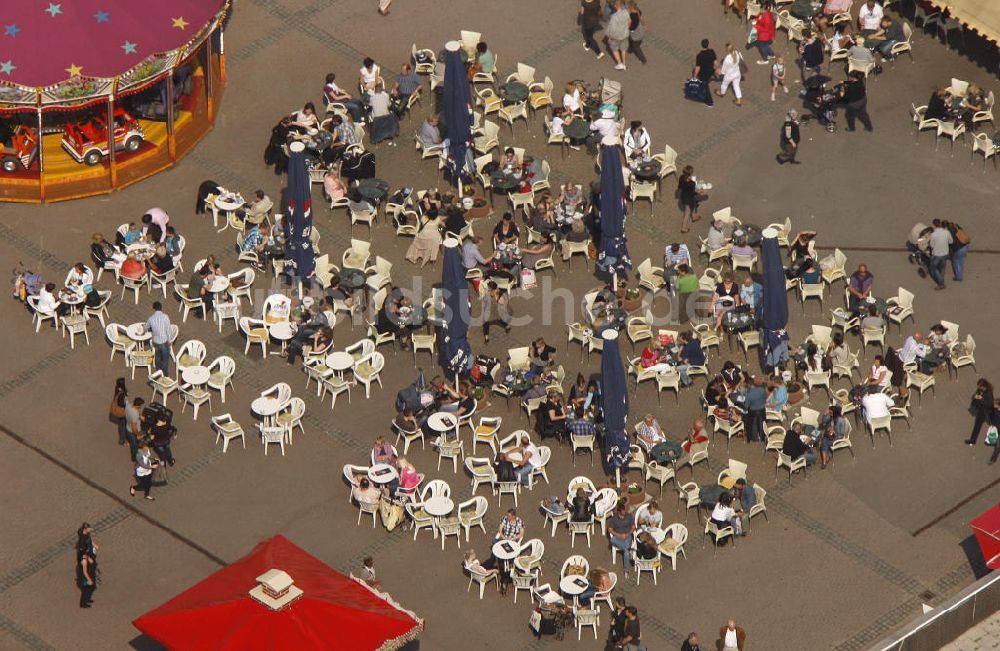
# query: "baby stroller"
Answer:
x=917 y=245
x=820 y=101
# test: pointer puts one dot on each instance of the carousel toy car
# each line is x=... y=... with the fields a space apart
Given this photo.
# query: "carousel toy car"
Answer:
x=87 y=141
x=18 y=147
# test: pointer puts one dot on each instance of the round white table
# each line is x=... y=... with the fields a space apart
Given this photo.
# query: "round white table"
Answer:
x=506 y=550
x=339 y=361
x=219 y=285
x=383 y=473
x=266 y=406
x=439 y=506
x=514 y=457
x=137 y=333
x=196 y=375
x=573 y=585
x=283 y=331
x=442 y=421
x=142 y=250
x=229 y=202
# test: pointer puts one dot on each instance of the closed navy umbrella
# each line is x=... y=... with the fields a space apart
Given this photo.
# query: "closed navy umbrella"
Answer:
x=774 y=311
x=456 y=353
x=457 y=114
x=300 y=257
x=613 y=253
x=615 y=399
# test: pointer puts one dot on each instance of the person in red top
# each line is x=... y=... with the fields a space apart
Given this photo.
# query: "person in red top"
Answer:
x=766 y=28
x=653 y=358
x=132 y=268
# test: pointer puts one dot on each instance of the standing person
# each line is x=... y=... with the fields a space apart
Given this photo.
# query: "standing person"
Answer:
x=705 y=67
x=756 y=403
x=766 y=30
x=632 y=639
x=144 y=464
x=617 y=32
x=813 y=53
x=368 y=573
x=939 y=243
x=499 y=297
x=619 y=617
x=691 y=643
x=730 y=69
x=982 y=408
x=732 y=637
x=688 y=198
x=117 y=409
x=590 y=22
x=637 y=31
x=855 y=97
x=159 y=325
x=959 y=249
x=133 y=425
x=789 y=139
x=86 y=564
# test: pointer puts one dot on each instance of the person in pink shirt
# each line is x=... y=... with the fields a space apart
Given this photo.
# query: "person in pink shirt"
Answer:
x=160 y=218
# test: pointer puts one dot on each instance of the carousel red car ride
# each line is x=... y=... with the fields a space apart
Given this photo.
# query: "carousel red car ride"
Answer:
x=87 y=142
x=18 y=147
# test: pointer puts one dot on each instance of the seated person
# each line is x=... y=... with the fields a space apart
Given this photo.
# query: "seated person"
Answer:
x=654 y=358
x=810 y=274
x=653 y=517
x=80 y=278
x=162 y=261
x=370 y=74
x=876 y=404
x=365 y=492
x=458 y=402
x=334 y=94
x=131 y=235
x=105 y=251
x=938 y=105
x=582 y=509
x=430 y=134
x=305 y=119
x=938 y=349
x=258 y=209
x=833 y=428
x=751 y=292
x=485 y=60
x=872 y=319
x=509 y=163
x=552 y=417
x=599 y=580
x=48 y=303
x=255 y=240
x=740 y=247
x=724 y=515
x=691 y=354
x=650 y=432
x=384 y=123
x=878 y=374
x=727 y=296
x=794 y=448
x=511 y=527
x=637 y=144
x=308 y=339
x=571 y=100
x=732 y=375
x=357 y=203
x=888 y=34
x=861 y=54
x=777 y=395
x=860 y=286
x=406 y=84
x=409 y=478
x=382 y=451
x=716 y=389
x=132 y=268
x=472 y=564
x=334 y=186
x=717 y=238
x=431 y=201
x=506 y=230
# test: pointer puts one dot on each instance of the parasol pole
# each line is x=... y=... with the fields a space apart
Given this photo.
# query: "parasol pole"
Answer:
x=222 y=53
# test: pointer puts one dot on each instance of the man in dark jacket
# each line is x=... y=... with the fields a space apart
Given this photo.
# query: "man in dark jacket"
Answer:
x=789 y=139
x=691 y=643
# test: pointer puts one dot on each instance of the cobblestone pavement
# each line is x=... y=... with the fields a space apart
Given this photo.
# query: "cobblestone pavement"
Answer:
x=981 y=637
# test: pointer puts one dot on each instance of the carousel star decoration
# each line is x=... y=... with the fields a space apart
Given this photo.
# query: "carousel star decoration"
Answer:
x=74 y=70
x=179 y=23
x=54 y=9
x=7 y=67
x=102 y=16
x=11 y=30
x=129 y=47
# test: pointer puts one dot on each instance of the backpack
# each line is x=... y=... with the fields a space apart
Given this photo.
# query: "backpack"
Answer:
x=962 y=237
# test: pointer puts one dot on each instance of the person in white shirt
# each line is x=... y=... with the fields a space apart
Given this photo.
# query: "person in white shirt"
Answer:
x=47 y=301
x=602 y=129
x=731 y=74
x=637 y=143
x=571 y=99
x=370 y=74
x=306 y=118
x=531 y=459
x=912 y=349
x=79 y=277
x=869 y=17
x=876 y=404
x=878 y=374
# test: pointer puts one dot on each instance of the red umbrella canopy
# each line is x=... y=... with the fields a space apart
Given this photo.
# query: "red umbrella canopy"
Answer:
x=333 y=612
x=44 y=42
x=987 y=529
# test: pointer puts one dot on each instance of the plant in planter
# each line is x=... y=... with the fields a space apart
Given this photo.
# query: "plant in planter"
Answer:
x=634 y=489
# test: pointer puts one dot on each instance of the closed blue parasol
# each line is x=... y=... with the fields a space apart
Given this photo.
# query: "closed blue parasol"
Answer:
x=456 y=353
x=457 y=115
x=300 y=257
x=615 y=397
x=774 y=317
x=613 y=254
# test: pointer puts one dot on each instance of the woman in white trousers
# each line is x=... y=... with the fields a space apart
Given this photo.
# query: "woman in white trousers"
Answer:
x=730 y=70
